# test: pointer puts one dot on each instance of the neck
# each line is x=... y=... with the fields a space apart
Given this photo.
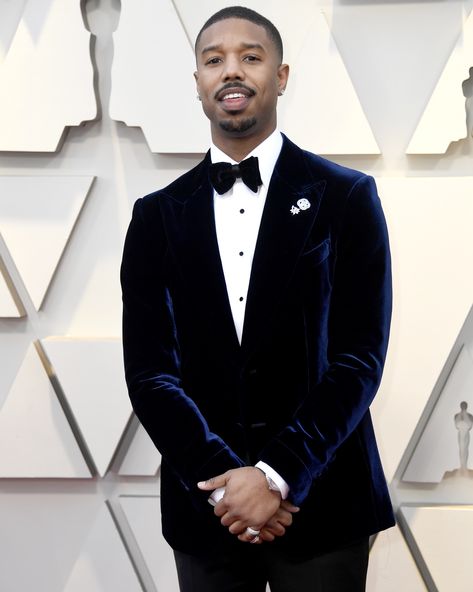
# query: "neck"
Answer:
x=238 y=148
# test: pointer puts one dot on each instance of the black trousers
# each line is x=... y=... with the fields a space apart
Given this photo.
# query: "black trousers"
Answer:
x=251 y=567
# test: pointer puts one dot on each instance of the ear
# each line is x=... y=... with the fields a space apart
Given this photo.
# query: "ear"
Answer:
x=196 y=78
x=283 y=76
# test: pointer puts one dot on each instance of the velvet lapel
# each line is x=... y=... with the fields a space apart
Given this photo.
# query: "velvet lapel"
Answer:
x=281 y=238
x=201 y=261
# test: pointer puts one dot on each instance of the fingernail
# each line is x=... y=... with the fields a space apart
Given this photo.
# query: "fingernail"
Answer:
x=201 y=484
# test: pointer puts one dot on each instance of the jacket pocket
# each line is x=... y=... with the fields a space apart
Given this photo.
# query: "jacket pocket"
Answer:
x=317 y=253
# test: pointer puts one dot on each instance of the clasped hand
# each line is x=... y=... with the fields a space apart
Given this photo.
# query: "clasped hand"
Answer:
x=248 y=502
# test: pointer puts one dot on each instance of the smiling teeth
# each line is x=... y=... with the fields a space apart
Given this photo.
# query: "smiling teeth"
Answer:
x=234 y=96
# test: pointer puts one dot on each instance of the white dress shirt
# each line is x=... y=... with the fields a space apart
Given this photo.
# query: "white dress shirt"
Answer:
x=238 y=215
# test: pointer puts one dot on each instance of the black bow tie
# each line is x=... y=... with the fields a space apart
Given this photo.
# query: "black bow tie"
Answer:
x=223 y=174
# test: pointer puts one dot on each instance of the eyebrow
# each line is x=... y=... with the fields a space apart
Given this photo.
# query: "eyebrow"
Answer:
x=244 y=45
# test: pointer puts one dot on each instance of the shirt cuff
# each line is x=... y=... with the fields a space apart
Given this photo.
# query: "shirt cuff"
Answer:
x=274 y=476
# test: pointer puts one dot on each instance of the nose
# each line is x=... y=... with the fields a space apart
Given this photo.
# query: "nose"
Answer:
x=233 y=69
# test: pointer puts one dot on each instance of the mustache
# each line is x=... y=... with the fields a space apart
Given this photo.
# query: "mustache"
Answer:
x=232 y=85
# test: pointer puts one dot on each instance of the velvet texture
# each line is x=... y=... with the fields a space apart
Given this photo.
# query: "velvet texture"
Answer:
x=296 y=393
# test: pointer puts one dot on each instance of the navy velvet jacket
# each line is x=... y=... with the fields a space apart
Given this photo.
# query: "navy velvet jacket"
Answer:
x=296 y=392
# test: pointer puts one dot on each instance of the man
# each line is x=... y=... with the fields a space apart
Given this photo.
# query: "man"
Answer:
x=256 y=321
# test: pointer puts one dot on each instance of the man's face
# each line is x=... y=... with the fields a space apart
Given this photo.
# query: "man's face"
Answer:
x=238 y=79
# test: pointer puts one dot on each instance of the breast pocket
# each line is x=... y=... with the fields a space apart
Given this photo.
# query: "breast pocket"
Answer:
x=314 y=255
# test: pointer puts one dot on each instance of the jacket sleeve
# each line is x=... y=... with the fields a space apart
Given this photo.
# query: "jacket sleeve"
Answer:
x=151 y=356
x=359 y=321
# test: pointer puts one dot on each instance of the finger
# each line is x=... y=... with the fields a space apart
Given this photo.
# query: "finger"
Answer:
x=220 y=509
x=284 y=518
x=213 y=483
x=238 y=527
x=286 y=505
x=266 y=535
x=275 y=528
x=285 y=523
x=228 y=519
x=278 y=530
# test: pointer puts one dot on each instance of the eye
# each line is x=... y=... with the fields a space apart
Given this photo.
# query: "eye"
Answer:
x=212 y=61
x=251 y=58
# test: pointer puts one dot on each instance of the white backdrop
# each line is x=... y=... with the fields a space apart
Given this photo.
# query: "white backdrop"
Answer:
x=78 y=512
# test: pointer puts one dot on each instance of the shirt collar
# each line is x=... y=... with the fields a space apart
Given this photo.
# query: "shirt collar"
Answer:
x=267 y=153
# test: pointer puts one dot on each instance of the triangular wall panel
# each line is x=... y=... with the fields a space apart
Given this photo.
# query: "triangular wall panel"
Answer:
x=142 y=459
x=144 y=518
x=9 y=307
x=444 y=119
x=35 y=437
x=320 y=87
x=391 y=566
x=103 y=564
x=34 y=63
x=37 y=216
x=443 y=536
x=11 y=15
x=142 y=98
x=436 y=455
x=433 y=293
x=90 y=372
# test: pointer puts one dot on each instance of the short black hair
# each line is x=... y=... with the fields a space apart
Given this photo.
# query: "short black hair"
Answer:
x=241 y=12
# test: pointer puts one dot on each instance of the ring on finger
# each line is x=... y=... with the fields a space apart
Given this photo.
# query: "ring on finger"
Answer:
x=252 y=532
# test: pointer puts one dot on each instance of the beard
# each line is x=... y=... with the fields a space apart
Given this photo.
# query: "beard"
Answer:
x=237 y=127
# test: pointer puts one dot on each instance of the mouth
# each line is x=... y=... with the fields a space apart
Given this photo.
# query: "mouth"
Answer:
x=235 y=98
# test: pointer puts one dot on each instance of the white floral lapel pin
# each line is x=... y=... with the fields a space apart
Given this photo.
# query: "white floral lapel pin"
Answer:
x=302 y=204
